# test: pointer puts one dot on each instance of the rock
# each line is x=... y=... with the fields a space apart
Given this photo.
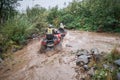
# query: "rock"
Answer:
x=91 y=72
x=105 y=66
x=81 y=52
x=67 y=45
x=94 y=51
x=79 y=63
x=83 y=58
x=117 y=62
x=14 y=49
x=34 y=36
x=110 y=67
x=96 y=57
x=86 y=67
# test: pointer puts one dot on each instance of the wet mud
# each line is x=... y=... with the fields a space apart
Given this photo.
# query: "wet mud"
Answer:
x=30 y=64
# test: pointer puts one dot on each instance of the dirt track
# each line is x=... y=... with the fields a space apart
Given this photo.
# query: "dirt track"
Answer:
x=29 y=64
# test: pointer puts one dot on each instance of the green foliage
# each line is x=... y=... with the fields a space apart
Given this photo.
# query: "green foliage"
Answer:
x=100 y=74
x=54 y=16
x=103 y=13
x=7 y=9
x=37 y=17
x=110 y=72
x=36 y=14
x=91 y=15
x=15 y=31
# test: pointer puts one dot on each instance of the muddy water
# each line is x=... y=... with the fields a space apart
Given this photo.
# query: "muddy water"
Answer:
x=87 y=40
x=29 y=64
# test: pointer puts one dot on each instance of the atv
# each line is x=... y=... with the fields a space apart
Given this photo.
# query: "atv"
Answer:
x=62 y=32
x=50 y=43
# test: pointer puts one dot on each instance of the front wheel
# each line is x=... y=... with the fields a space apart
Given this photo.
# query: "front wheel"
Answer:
x=58 y=47
x=42 y=49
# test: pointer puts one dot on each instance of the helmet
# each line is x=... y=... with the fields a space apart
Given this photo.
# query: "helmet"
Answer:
x=50 y=26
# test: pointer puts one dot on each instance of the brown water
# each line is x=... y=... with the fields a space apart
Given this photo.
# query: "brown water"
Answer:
x=29 y=64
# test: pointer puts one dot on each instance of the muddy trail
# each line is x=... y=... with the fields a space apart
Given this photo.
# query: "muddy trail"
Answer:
x=30 y=64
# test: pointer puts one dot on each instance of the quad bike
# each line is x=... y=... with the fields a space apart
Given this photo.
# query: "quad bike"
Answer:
x=62 y=32
x=50 y=43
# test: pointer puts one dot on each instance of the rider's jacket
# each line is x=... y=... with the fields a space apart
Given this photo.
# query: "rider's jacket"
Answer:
x=49 y=31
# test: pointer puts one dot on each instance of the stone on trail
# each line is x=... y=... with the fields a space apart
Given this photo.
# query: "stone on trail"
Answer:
x=117 y=62
x=94 y=51
x=67 y=45
x=91 y=72
x=82 y=52
x=86 y=67
x=105 y=66
x=83 y=58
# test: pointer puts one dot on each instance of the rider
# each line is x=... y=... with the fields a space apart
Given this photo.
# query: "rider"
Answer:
x=61 y=27
x=50 y=32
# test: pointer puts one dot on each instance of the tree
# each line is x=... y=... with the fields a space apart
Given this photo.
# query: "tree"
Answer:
x=7 y=9
x=53 y=14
